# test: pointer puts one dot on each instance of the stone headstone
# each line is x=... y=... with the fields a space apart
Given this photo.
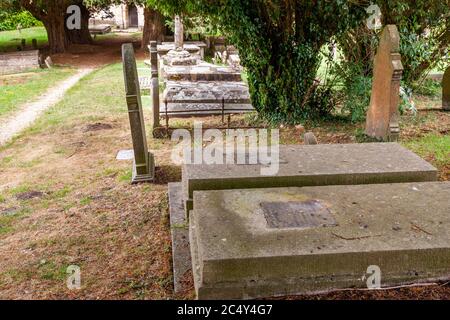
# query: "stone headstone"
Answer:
x=48 y=62
x=155 y=82
x=310 y=139
x=446 y=90
x=382 y=116
x=34 y=44
x=179 y=56
x=143 y=167
x=179 y=33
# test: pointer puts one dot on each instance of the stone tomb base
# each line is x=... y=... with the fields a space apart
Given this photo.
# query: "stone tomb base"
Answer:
x=315 y=165
x=274 y=242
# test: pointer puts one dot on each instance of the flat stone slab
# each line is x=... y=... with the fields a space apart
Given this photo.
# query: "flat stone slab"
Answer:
x=436 y=76
x=164 y=48
x=100 y=29
x=15 y=62
x=201 y=72
x=181 y=110
x=181 y=256
x=404 y=229
x=315 y=165
x=206 y=92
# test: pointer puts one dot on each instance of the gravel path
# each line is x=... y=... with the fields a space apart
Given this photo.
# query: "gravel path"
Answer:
x=27 y=114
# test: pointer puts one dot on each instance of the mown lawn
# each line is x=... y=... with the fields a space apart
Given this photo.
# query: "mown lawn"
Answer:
x=16 y=90
x=9 y=40
x=434 y=147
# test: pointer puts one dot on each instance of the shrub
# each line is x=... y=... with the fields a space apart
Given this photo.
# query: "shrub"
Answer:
x=24 y=19
x=354 y=89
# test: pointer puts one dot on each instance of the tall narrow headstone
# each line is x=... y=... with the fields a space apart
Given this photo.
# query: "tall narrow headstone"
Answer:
x=155 y=82
x=34 y=44
x=382 y=116
x=144 y=165
x=179 y=33
x=446 y=90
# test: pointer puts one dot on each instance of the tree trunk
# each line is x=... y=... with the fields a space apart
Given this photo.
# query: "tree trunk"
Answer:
x=153 y=27
x=82 y=36
x=57 y=40
x=53 y=18
x=54 y=22
x=53 y=15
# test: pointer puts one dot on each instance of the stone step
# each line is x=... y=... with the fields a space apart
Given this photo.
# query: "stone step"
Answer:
x=203 y=109
x=275 y=242
x=193 y=47
x=201 y=72
x=206 y=92
x=314 y=165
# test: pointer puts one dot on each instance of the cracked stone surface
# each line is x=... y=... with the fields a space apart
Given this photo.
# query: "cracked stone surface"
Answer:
x=404 y=229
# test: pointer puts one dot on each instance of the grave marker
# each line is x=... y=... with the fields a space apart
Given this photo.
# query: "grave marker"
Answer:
x=155 y=83
x=382 y=116
x=143 y=167
x=446 y=90
x=313 y=165
x=179 y=33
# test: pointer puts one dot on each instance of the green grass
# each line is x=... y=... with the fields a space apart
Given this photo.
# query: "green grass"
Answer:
x=429 y=88
x=432 y=146
x=7 y=221
x=15 y=91
x=9 y=40
x=48 y=270
x=101 y=94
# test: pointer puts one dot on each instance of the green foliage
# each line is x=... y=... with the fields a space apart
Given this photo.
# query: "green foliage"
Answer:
x=430 y=88
x=424 y=27
x=424 y=40
x=196 y=25
x=13 y=20
x=354 y=89
x=279 y=43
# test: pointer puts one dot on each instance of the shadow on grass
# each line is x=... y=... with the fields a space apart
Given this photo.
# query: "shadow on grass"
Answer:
x=167 y=174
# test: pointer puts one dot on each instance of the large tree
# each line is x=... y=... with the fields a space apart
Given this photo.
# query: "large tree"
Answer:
x=154 y=26
x=53 y=14
x=154 y=21
x=279 y=42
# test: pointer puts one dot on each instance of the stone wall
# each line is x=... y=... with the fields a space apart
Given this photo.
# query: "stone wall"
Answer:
x=121 y=18
x=19 y=61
